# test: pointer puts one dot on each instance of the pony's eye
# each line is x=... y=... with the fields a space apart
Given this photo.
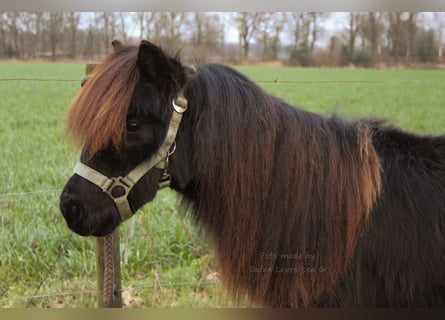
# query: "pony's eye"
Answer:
x=133 y=125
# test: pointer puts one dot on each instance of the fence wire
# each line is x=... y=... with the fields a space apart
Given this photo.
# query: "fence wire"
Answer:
x=39 y=79
x=277 y=81
x=95 y=292
x=29 y=193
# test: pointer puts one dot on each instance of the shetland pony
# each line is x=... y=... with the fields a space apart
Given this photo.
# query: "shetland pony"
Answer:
x=303 y=210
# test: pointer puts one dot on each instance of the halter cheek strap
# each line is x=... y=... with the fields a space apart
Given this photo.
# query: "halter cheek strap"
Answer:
x=118 y=188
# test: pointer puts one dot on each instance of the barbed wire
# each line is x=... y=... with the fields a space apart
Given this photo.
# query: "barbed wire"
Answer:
x=40 y=79
x=278 y=81
x=343 y=81
x=28 y=193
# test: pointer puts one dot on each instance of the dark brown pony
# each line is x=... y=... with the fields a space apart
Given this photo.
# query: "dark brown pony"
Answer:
x=303 y=210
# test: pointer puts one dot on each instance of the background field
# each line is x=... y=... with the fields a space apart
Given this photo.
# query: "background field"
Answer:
x=43 y=264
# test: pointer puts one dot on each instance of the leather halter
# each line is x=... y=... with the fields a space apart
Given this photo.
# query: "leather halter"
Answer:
x=118 y=188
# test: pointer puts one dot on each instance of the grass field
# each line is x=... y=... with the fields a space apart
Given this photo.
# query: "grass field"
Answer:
x=169 y=264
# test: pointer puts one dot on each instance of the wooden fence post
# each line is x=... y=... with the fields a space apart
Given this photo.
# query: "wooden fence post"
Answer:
x=108 y=271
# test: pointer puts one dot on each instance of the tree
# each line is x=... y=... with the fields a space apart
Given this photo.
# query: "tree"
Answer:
x=440 y=18
x=72 y=20
x=123 y=32
x=354 y=27
x=306 y=28
x=55 y=31
x=401 y=35
x=40 y=27
x=92 y=37
x=295 y=24
x=426 y=46
x=3 y=31
x=247 y=25
x=13 y=26
x=270 y=26
x=109 y=28
x=168 y=27
x=395 y=34
x=205 y=33
x=264 y=26
x=372 y=32
x=412 y=31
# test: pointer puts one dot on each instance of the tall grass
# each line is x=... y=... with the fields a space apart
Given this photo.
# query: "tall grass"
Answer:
x=169 y=262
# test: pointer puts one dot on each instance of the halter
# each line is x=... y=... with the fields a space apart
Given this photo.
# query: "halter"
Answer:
x=118 y=188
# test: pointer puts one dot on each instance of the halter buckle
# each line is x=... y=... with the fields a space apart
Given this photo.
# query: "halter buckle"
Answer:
x=164 y=181
x=118 y=187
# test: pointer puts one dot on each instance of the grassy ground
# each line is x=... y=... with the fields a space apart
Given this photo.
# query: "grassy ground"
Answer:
x=169 y=264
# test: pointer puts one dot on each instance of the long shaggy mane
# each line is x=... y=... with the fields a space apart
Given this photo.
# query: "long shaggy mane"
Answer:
x=284 y=193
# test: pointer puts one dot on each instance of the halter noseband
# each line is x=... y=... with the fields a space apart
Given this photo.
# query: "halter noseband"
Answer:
x=118 y=188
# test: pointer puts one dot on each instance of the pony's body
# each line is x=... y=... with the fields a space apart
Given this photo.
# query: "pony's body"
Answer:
x=303 y=210
x=399 y=258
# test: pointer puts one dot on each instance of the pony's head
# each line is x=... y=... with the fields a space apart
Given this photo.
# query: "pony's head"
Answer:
x=126 y=118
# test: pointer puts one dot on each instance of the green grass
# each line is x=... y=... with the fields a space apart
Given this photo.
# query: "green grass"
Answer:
x=39 y=255
x=412 y=99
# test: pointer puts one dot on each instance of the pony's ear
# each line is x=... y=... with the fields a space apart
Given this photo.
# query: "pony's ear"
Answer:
x=117 y=45
x=157 y=66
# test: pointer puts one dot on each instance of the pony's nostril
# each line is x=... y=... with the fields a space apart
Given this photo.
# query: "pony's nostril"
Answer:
x=73 y=209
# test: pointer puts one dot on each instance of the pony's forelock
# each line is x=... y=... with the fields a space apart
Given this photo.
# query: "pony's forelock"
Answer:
x=96 y=117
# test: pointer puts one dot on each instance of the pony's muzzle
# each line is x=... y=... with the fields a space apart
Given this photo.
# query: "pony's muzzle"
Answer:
x=72 y=208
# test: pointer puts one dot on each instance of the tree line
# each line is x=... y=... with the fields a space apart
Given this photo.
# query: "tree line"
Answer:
x=295 y=38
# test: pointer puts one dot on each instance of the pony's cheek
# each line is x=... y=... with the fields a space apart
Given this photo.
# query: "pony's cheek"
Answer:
x=145 y=190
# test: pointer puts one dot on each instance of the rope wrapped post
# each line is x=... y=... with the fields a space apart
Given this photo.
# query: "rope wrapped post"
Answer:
x=108 y=271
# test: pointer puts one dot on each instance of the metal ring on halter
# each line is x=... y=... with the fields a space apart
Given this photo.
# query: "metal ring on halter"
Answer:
x=172 y=149
x=180 y=104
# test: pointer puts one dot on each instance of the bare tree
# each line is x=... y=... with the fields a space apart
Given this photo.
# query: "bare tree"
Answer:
x=199 y=21
x=139 y=19
x=247 y=26
x=55 y=31
x=72 y=20
x=412 y=31
x=3 y=31
x=13 y=24
x=146 y=21
x=173 y=23
x=205 y=33
x=277 y=29
x=440 y=18
x=264 y=26
x=92 y=46
x=314 y=17
x=295 y=25
x=395 y=19
x=28 y=34
x=106 y=21
x=270 y=26
x=372 y=31
x=305 y=28
x=40 y=22
x=123 y=31
x=353 y=28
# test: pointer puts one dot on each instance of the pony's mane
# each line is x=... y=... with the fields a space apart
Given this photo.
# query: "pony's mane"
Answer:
x=274 y=183
x=97 y=116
